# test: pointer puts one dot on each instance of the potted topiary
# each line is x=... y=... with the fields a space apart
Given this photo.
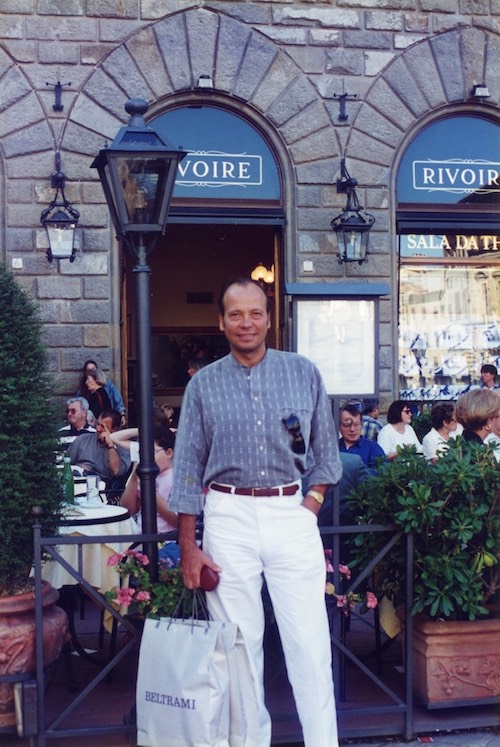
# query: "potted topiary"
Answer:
x=28 y=477
x=452 y=509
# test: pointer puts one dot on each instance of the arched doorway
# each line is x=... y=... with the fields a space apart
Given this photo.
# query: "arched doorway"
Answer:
x=226 y=218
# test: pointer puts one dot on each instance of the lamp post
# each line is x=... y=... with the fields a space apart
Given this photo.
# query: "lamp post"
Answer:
x=353 y=224
x=137 y=172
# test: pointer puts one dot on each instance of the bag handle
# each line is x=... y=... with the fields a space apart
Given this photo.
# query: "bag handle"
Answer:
x=198 y=611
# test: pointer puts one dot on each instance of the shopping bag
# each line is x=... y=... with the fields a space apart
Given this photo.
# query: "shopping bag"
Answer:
x=249 y=725
x=183 y=693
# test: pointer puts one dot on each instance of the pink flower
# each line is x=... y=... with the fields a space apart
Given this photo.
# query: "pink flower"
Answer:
x=143 y=596
x=341 y=600
x=344 y=570
x=371 y=600
x=329 y=567
x=125 y=596
x=114 y=560
x=138 y=556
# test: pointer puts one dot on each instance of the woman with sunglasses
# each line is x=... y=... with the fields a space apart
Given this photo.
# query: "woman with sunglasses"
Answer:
x=398 y=431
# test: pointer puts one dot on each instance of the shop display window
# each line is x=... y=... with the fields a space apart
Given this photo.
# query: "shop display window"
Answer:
x=448 y=222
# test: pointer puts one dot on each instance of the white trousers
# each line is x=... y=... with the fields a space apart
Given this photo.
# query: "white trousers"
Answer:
x=278 y=537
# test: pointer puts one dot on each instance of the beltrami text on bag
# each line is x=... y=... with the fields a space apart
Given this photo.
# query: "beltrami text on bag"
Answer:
x=169 y=700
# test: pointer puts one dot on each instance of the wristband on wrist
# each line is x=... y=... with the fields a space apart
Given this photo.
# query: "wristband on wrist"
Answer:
x=317 y=496
x=111 y=447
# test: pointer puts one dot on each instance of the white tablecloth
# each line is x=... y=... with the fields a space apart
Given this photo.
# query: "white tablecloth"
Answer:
x=95 y=569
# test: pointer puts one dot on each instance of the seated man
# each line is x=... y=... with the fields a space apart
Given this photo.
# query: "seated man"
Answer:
x=354 y=471
x=352 y=441
x=97 y=454
x=370 y=424
x=77 y=409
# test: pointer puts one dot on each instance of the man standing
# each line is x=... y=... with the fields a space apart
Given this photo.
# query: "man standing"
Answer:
x=488 y=376
x=97 y=454
x=352 y=441
x=370 y=424
x=249 y=425
x=77 y=409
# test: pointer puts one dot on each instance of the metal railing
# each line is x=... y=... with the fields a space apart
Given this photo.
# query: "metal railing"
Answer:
x=341 y=653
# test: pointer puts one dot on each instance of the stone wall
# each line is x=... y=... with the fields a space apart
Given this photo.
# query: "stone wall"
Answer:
x=283 y=64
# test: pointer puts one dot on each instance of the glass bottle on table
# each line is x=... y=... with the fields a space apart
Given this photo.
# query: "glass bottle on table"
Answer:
x=68 y=484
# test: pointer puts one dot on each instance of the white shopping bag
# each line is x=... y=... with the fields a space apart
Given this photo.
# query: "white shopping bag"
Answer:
x=249 y=725
x=183 y=689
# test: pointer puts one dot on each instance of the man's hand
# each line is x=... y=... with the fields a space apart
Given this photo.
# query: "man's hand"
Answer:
x=311 y=504
x=192 y=561
x=104 y=436
x=192 y=557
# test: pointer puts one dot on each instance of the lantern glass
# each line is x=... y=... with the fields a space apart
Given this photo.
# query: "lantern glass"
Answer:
x=352 y=244
x=60 y=229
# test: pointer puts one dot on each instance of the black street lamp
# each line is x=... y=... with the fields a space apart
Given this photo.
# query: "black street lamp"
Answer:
x=353 y=224
x=137 y=172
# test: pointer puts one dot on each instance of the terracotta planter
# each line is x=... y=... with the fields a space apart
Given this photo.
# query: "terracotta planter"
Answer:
x=17 y=640
x=456 y=663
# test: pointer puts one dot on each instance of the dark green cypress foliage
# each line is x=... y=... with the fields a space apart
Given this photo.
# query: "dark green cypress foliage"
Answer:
x=28 y=434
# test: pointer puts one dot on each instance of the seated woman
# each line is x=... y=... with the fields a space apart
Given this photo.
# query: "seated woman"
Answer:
x=398 y=431
x=479 y=413
x=444 y=426
x=164 y=441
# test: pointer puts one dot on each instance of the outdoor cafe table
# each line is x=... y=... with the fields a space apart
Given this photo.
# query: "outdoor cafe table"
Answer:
x=89 y=521
x=103 y=520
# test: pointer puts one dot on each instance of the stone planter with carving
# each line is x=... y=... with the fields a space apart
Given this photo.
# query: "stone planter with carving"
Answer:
x=17 y=640
x=456 y=663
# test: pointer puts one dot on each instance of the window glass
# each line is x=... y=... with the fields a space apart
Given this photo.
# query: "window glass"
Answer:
x=448 y=327
x=449 y=258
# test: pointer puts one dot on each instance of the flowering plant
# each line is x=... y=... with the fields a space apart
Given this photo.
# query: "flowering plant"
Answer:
x=346 y=602
x=139 y=595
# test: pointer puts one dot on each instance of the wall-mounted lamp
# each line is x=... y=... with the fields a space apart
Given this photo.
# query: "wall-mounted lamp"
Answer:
x=353 y=224
x=264 y=276
x=60 y=219
x=480 y=92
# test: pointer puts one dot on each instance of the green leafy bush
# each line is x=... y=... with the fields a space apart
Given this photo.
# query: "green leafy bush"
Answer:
x=452 y=509
x=28 y=435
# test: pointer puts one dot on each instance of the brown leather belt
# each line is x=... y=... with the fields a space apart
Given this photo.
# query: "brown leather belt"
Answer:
x=256 y=492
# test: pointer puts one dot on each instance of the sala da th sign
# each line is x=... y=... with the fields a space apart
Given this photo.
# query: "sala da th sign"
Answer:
x=461 y=244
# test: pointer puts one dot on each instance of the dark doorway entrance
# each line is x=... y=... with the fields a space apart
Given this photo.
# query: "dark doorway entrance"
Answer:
x=188 y=267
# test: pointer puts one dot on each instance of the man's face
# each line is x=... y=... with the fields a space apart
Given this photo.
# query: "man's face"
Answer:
x=104 y=424
x=76 y=415
x=487 y=379
x=350 y=428
x=245 y=321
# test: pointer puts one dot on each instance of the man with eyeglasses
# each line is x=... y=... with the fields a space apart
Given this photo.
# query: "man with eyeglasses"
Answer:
x=77 y=409
x=252 y=425
x=97 y=454
x=353 y=442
